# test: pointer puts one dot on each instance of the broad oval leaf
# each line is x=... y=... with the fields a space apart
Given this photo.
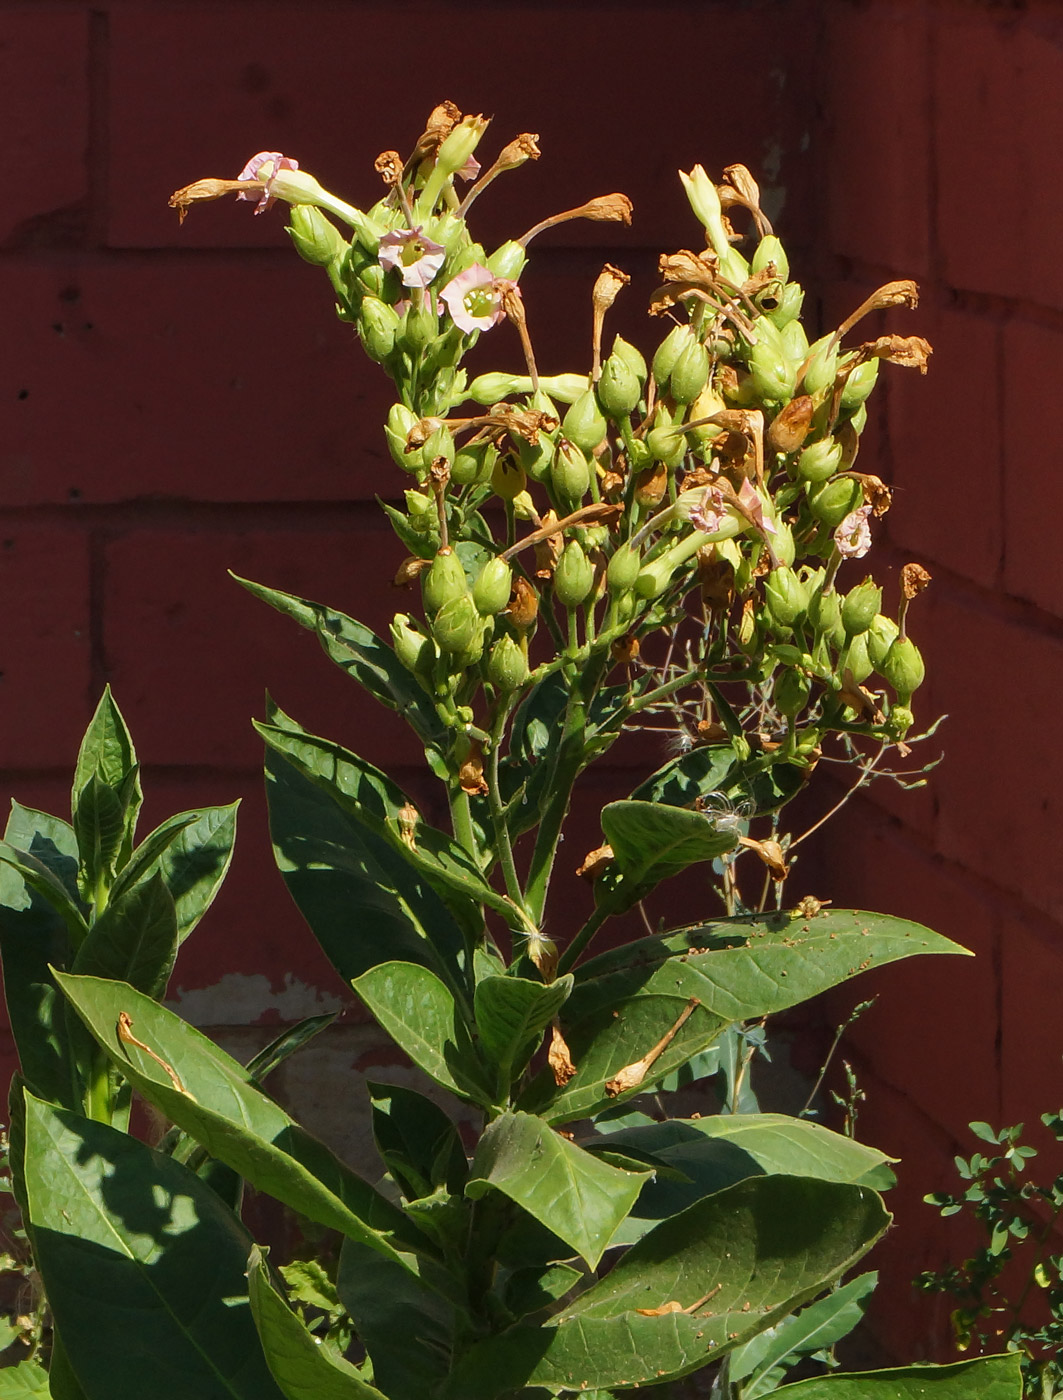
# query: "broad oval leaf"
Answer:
x=511 y=1015
x=107 y=753
x=421 y=1147
x=122 y=1231
x=652 y=842
x=134 y=940
x=984 y=1378
x=197 y=860
x=577 y=1196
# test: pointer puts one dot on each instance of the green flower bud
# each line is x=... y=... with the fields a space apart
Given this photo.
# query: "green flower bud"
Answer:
x=822 y=366
x=859 y=385
x=493 y=388
x=400 y=420
x=508 y=261
x=785 y=597
x=835 y=500
x=666 y=445
x=458 y=145
x=457 y=624
x=639 y=455
x=420 y=326
x=900 y=721
x=770 y=250
x=783 y=543
x=473 y=462
x=317 y=239
x=857 y=660
x=903 y=668
x=794 y=342
x=507 y=666
x=860 y=607
x=690 y=372
x=825 y=615
x=439 y=444
x=470 y=655
x=632 y=357
x=790 y=692
x=443 y=581
x=769 y=366
x=859 y=420
x=416 y=651
x=623 y=569
x=618 y=387
x=508 y=478
x=492 y=588
x=570 y=473
x=584 y=424
x=881 y=635
x=378 y=326
x=420 y=507
x=789 y=309
x=820 y=460
x=574 y=576
x=669 y=350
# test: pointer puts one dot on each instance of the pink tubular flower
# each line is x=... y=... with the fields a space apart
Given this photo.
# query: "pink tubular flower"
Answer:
x=264 y=166
x=474 y=298
x=416 y=257
x=755 y=506
x=852 y=538
x=708 y=514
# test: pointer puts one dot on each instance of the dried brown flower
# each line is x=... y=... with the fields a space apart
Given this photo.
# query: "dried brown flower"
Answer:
x=914 y=578
x=388 y=165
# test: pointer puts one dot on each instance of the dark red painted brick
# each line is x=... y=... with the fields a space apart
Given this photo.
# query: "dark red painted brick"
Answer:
x=1033 y=362
x=1031 y=976
x=44 y=79
x=999 y=106
x=876 y=66
x=44 y=657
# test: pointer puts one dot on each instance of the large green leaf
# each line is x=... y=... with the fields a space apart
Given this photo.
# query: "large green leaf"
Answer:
x=422 y=1017
x=107 y=753
x=134 y=940
x=740 y=1260
x=574 y=1194
x=985 y=1378
x=26 y=1381
x=361 y=653
x=38 y=877
x=196 y=860
x=511 y=1015
x=374 y=800
x=213 y=1099
x=707 y=1154
x=651 y=842
x=100 y=827
x=421 y=1147
x=361 y=899
x=302 y=1368
x=142 y=1265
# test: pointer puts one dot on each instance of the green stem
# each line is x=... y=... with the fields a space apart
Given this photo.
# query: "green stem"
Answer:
x=99 y=1104
x=461 y=819
x=571 y=954
x=498 y=816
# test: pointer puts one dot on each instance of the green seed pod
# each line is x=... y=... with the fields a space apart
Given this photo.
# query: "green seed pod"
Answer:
x=378 y=325
x=507 y=666
x=857 y=659
x=473 y=462
x=639 y=456
x=790 y=693
x=400 y=420
x=669 y=350
x=508 y=478
x=666 y=445
x=770 y=250
x=421 y=509
x=794 y=341
x=626 y=604
x=584 y=424
x=618 y=387
x=574 y=576
x=570 y=473
x=457 y=624
x=443 y=581
x=859 y=385
x=900 y=721
x=508 y=261
x=770 y=367
x=439 y=444
x=420 y=327
x=789 y=309
x=632 y=357
x=903 y=668
x=825 y=615
x=470 y=655
x=860 y=607
x=317 y=239
x=785 y=597
x=783 y=543
x=623 y=569
x=416 y=651
x=820 y=460
x=690 y=373
x=492 y=588
x=881 y=635
x=822 y=366
x=494 y=387
x=858 y=422
x=835 y=500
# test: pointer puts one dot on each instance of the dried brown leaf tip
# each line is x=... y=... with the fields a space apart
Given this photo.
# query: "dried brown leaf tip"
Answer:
x=595 y=862
x=543 y=953
x=559 y=1058
x=914 y=578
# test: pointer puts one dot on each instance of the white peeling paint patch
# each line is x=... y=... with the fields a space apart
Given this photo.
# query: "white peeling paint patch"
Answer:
x=241 y=999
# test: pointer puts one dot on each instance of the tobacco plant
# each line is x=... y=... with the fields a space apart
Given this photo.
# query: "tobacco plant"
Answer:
x=664 y=540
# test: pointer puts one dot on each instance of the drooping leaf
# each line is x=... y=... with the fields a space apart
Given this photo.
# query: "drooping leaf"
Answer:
x=572 y=1193
x=262 y=1065
x=421 y=1147
x=652 y=842
x=984 y=1378
x=119 y=1230
x=134 y=940
x=40 y=879
x=211 y=1097
x=422 y=1017
x=302 y=1368
x=511 y=1015
x=737 y=1263
x=361 y=653
x=352 y=888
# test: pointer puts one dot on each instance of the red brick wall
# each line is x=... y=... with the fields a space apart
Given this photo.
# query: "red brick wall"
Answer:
x=178 y=401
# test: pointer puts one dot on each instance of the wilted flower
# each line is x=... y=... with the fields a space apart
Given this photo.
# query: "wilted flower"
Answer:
x=474 y=298
x=264 y=167
x=852 y=538
x=413 y=255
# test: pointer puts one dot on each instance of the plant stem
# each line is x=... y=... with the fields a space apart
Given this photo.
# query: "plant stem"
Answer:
x=582 y=938
x=503 y=843
x=461 y=819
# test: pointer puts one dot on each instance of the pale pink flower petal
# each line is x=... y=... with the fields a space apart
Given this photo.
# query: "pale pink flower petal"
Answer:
x=852 y=538
x=469 y=170
x=416 y=257
x=708 y=514
x=274 y=161
x=752 y=502
x=474 y=299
